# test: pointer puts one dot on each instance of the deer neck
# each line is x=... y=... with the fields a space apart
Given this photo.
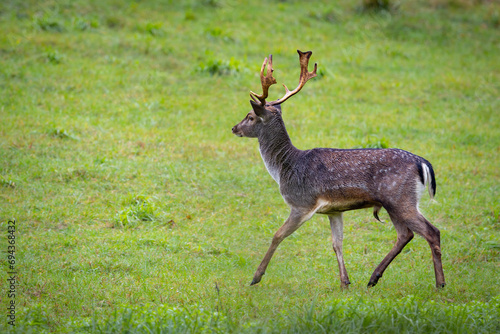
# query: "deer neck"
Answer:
x=276 y=148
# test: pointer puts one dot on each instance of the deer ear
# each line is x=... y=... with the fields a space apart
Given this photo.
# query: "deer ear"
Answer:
x=259 y=109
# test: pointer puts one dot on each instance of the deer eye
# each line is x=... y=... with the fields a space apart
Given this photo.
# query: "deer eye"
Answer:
x=250 y=118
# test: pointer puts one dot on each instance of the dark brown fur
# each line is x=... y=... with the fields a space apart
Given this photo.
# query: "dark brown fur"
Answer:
x=330 y=181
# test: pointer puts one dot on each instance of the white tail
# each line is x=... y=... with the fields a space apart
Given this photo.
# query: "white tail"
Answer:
x=429 y=180
x=330 y=181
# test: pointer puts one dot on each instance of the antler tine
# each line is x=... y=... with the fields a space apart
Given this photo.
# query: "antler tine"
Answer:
x=305 y=75
x=266 y=80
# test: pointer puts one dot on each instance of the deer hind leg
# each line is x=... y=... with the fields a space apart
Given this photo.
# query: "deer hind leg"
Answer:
x=405 y=224
x=294 y=221
x=337 y=226
x=433 y=237
x=404 y=237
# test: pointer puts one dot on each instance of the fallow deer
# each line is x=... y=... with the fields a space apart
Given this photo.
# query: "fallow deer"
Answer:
x=330 y=181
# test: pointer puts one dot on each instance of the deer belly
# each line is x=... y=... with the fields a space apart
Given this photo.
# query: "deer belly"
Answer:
x=345 y=202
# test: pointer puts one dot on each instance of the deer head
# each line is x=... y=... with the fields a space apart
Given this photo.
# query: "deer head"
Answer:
x=264 y=112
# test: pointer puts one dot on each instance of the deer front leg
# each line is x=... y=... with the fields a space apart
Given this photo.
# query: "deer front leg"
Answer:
x=337 y=226
x=294 y=221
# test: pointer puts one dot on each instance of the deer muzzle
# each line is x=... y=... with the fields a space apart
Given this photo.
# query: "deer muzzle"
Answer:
x=236 y=131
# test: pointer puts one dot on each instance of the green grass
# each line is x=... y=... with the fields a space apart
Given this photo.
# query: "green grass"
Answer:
x=133 y=200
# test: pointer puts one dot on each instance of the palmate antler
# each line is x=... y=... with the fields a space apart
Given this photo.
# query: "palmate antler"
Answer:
x=266 y=81
x=269 y=80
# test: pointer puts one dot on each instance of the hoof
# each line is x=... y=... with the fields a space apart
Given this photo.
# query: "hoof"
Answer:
x=345 y=285
x=440 y=286
x=255 y=281
x=374 y=280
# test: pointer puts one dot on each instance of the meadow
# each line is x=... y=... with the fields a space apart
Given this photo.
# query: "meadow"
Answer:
x=138 y=211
